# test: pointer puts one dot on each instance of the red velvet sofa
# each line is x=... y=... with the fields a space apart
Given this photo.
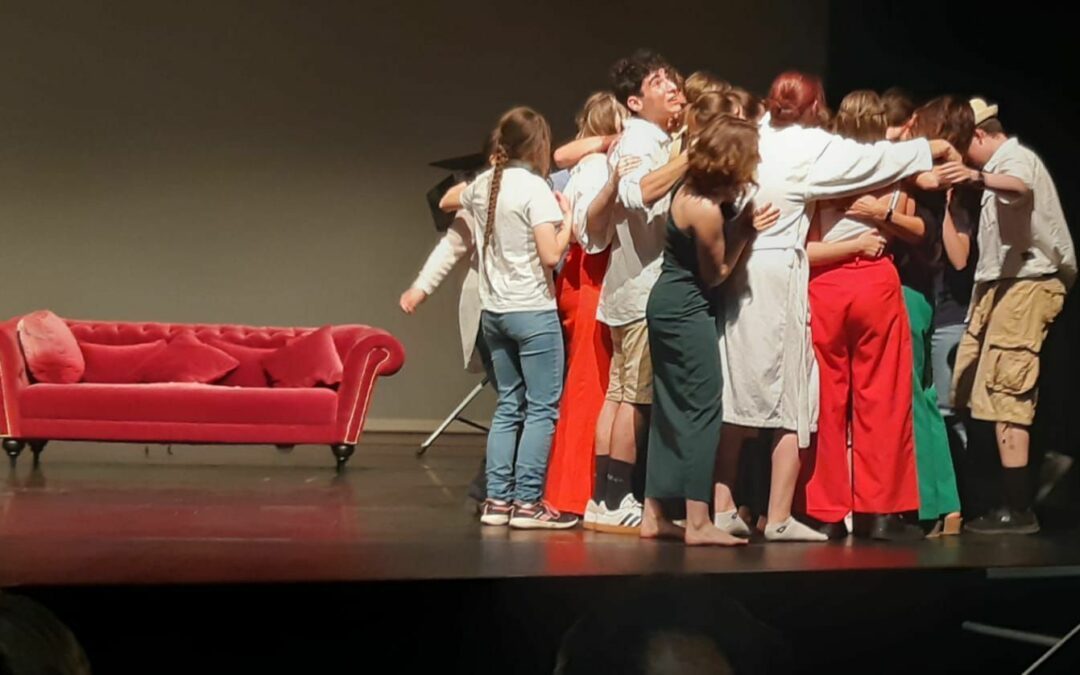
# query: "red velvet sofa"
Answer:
x=35 y=412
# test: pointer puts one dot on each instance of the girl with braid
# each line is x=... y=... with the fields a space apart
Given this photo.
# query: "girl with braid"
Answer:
x=522 y=229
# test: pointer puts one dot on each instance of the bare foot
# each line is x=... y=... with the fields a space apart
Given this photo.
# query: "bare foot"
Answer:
x=659 y=528
x=710 y=535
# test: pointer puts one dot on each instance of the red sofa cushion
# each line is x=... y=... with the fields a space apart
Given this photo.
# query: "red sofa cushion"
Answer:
x=176 y=402
x=186 y=359
x=250 y=371
x=51 y=350
x=117 y=364
x=307 y=361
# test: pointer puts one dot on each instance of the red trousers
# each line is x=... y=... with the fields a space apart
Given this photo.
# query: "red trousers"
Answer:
x=863 y=348
x=588 y=357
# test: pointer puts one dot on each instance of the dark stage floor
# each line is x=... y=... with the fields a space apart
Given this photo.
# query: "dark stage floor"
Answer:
x=115 y=515
x=175 y=563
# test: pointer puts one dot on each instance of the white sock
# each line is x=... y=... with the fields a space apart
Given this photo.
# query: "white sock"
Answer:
x=792 y=530
x=730 y=522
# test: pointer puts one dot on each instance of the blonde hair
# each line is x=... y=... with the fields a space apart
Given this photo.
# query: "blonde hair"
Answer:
x=702 y=82
x=602 y=115
x=522 y=134
x=861 y=117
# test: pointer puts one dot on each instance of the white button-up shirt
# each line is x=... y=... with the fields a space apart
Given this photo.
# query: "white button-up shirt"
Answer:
x=1023 y=237
x=639 y=237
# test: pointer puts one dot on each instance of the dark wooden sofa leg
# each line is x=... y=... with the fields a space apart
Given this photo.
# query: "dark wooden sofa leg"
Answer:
x=37 y=447
x=13 y=447
x=342 y=452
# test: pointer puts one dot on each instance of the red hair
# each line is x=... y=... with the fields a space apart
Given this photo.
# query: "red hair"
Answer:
x=792 y=100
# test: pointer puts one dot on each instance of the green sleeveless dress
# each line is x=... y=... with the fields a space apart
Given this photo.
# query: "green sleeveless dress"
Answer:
x=686 y=415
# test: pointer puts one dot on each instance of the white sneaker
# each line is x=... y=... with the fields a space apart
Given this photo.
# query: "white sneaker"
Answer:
x=793 y=530
x=591 y=511
x=730 y=522
x=626 y=519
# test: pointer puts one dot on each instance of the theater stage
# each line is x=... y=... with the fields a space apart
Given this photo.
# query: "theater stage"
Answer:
x=252 y=558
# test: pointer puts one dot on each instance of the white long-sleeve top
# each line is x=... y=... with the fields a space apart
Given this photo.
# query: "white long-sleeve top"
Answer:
x=766 y=353
x=456 y=244
x=800 y=165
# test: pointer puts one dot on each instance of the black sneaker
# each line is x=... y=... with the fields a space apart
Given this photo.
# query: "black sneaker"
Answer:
x=834 y=531
x=495 y=512
x=1004 y=521
x=540 y=516
x=885 y=527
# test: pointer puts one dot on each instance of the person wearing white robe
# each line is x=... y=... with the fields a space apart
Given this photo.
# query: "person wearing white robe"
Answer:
x=455 y=244
x=767 y=357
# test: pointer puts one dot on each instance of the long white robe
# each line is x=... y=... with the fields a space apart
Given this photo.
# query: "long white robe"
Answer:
x=766 y=352
x=456 y=243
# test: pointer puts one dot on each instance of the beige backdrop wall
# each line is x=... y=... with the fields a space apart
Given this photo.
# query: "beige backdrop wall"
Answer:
x=265 y=162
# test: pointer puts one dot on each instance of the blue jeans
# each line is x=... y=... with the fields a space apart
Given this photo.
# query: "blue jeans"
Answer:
x=527 y=357
x=943 y=356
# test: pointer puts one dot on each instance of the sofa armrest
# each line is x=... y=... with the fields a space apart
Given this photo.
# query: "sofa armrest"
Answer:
x=13 y=378
x=374 y=353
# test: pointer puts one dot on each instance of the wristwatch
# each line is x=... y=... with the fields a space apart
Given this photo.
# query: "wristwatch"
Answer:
x=892 y=206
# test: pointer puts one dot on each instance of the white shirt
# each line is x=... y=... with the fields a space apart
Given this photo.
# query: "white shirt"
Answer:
x=587 y=178
x=454 y=245
x=512 y=279
x=836 y=225
x=801 y=165
x=638 y=245
x=1025 y=237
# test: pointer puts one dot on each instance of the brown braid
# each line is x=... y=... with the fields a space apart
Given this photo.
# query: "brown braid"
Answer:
x=523 y=135
x=499 y=158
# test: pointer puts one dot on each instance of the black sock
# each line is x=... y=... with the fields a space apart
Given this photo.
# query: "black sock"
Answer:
x=1017 y=488
x=600 y=478
x=619 y=475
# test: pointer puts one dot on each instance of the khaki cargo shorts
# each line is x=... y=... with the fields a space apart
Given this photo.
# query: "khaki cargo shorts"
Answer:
x=631 y=364
x=997 y=362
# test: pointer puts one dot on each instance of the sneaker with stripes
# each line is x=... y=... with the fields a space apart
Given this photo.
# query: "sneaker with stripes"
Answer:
x=495 y=512
x=592 y=509
x=540 y=516
x=626 y=519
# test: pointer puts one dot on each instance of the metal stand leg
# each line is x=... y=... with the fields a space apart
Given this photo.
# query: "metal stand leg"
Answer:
x=1054 y=642
x=455 y=416
x=1011 y=634
x=1074 y=634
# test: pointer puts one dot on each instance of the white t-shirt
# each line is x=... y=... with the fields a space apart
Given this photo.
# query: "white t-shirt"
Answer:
x=836 y=225
x=512 y=279
x=640 y=234
x=1025 y=237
